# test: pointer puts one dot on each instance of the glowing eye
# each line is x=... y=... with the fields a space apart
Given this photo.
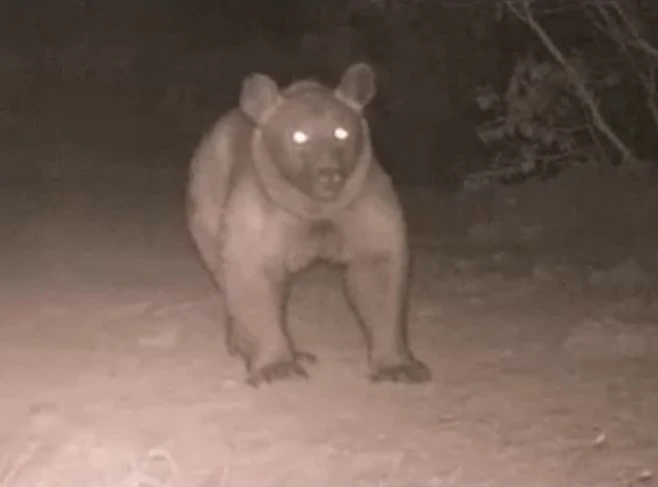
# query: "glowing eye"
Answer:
x=300 y=137
x=341 y=134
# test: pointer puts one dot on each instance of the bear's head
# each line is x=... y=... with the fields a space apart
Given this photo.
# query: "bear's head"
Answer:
x=311 y=145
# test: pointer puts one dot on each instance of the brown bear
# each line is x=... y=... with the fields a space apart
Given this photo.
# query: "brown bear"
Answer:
x=287 y=178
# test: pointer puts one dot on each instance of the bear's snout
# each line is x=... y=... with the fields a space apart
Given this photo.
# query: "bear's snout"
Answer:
x=330 y=176
x=328 y=181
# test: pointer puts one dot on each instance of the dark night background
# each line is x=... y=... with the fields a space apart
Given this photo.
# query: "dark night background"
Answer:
x=152 y=75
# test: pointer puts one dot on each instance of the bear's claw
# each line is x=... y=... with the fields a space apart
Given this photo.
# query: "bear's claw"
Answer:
x=282 y=370
x=413 y=372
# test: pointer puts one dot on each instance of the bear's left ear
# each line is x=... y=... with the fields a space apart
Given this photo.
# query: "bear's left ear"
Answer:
x=357 y=86
x=260 y=94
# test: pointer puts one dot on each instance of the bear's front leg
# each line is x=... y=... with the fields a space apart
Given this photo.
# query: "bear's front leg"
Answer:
x=376 y=287
x=255 y=283
x=377 y=283
x=255 y=297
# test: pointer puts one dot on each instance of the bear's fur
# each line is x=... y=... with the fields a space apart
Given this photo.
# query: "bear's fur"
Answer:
x=287 y=178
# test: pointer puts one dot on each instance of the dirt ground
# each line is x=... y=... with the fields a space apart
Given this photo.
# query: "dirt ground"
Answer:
x=541 y=330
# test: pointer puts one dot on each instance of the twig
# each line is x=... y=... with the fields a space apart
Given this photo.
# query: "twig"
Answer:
x=10 y=471
x=631 y=25
x=648 y=79
x=586 y=96
x=615 y=33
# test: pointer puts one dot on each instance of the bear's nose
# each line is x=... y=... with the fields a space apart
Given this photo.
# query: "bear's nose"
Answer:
x=330 y=176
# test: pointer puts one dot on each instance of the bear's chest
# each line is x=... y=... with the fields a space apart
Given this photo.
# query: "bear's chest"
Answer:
x=315 y=241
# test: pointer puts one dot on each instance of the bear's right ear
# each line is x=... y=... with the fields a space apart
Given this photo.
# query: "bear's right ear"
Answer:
x=260 y=93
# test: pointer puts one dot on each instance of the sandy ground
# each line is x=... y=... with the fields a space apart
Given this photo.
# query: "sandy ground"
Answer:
x=113 y=370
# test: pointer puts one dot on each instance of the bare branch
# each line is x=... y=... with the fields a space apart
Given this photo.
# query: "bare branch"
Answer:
x=524 y=13
x=633 y=27
x=614 y=31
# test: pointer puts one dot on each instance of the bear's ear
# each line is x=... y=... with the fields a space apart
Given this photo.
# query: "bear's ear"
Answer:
x=357 y=86
x=260 y=93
